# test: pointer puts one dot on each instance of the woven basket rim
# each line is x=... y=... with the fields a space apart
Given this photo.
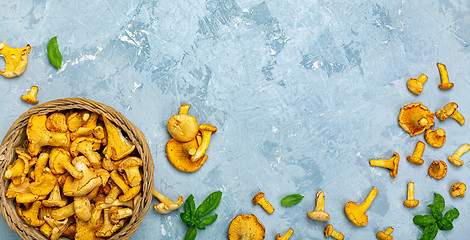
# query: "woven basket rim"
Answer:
x=17 y=131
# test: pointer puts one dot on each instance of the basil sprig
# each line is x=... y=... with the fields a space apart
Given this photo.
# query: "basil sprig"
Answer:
x=292 y=199
x=55 y=57
x=192 y=215
x=436 y=221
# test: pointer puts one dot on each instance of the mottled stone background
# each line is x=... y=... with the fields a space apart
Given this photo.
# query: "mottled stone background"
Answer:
x=303 y=93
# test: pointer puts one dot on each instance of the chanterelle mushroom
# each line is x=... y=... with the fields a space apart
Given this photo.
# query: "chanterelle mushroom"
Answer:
x=20 y=167
x=166 y=206
x=183 y=127
x=246 y=227
x=30 y=216
x=391 y=164
x=437 y=169
x=435 y=137
x=450 y=110
x=57 y=122
x=60 y=162
x=416 y=85
x=118 y=146
x=206 y=130
x=83 y=186
x=30 y=97
x=319 y=213
x=177 y=153
x=39 y=136
x=131 y=166
x=87 y=146
x=16 y=60
x=357 y=213
x=415 y=118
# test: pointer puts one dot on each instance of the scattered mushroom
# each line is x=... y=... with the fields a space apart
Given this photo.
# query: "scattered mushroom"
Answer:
x=391 y=164
x=455 y=159
x=285 y=236
x=206 y=131
x=259 y=199
x=435 y=137
x=415 y=118
x=166 y=206
x=246 y=227
x=416 y=85
x=458 y=189
x=437 y=169
x=445 y=84
x=385 y=235
x=330 y=232
x=30 y=97
x=319 y=213
x=357 y=213
x=183 y=127
x=179 y=157
x=410 y=201
x=417 y=154
x=450 y=110
x=16 y=60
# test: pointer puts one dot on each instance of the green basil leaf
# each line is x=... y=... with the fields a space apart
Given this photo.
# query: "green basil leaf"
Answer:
x=452 y=214
x=55 y=57
x=445 y=224
x=200 y=225
x=209 y=219
x=186 y=218
x=210 y=203
x=423 y=220
x=191 y=233
x=429 y=232
x=439 y=202
x=292 y=199
x=436 y=213
x=189 y=205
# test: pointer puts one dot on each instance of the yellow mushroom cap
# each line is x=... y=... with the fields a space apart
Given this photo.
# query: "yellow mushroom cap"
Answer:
x=246 y=227
x=437 y=169
x=179 y=157
x=415 y=118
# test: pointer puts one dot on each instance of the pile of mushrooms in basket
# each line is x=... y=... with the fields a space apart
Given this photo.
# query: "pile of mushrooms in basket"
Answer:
x=76 y=175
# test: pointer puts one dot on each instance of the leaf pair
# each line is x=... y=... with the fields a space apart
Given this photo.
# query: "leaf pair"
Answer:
x=435 y=222
x=192 y=215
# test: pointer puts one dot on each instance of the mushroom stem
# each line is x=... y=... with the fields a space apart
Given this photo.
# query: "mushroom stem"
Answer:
x=320 y=201
x=411 y=191
x=370 y=198
x=285 y=236
x=455 y=158
x=422 y=122
x=184 y=109
x=458 y=117
x=206 y=132
x=417 y=154
x=391 y=164
x=389 y=231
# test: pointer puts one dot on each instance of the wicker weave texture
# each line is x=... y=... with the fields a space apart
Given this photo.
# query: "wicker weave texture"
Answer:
x=17 y=134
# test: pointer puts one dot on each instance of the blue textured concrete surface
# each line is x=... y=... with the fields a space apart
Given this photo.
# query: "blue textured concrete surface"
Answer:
x=304 y=94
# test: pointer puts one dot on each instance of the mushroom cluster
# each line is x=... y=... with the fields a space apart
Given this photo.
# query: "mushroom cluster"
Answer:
x=186 y=151
x=76 y=176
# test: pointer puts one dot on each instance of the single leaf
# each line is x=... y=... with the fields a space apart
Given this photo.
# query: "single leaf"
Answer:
x=291 y=200
x=210 y=203
x=436 y=213
x=189 y=205
x=423 y=220
x=452 y=214
x=439 y=202
x=55 y=57
x=429 y=232
x=209 y=219
x=191 y=233
x=445 y=224
x=186 y=218
x=200 y=225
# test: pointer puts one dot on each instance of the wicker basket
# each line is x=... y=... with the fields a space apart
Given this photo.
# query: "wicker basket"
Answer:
x=17 y=134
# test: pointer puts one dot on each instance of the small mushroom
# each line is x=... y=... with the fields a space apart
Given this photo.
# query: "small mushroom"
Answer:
x=57 y=122
x=450 y=110
x=385 y=235
x=415 y=118
x=55 y=198
x=391 y=164
x=455 y=159
x=39 y=136
x=58 y=227
x=108 y=228
x=437 y=169
x=19 y=169
x=410 y=201
x=113 y=193
x=259 y=199
x=87 y=146
x=246 y=227
x=82 y=208
x=178 y=156
x=445 y=84
x=60 y=162
x=83 y=186
x=86 y=130
x=166 y=206
x=117 y=146
x=416 y=85
x=435 y=138
x=285 y=236
x=458 y=189
x=129 y=192
x=30 y=97
x=206 y=131
x=16 y=60
x=330 y=232
x=357 y=213
x=117 y=214
x=183 y=127
x=77 y=119
x=30 y=216
x=417 y=154
x=14 y=190
x=319 y=213
x=131 y=166
x=43 y=184
x=41 y=163
x=63 y=212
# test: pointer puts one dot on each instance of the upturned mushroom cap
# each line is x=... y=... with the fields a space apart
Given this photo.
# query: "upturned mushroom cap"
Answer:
x=458 y=189
x=44 y=184
x=437 y=169
x=246 y=227
x=415 y=118
x=177 y=153
x=117 y=146
x=435 y=137
x=57 y=122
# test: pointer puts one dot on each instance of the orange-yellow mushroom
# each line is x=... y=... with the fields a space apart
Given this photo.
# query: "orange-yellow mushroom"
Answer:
x=458 y=189
x=259 y=199
x=445 y=84
x=415 y=118
x=330 y=232
x=417 y=154
x=319 y=214
x=455 y=159
x=437 y=169
x=30 y=97
x=450 y=110
x=391 y=164
x=16 y=60
x=416 y=85
x=385 y=235
x=357 y=213
x=435 y=137
x=285 y=236
x=410 y=201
